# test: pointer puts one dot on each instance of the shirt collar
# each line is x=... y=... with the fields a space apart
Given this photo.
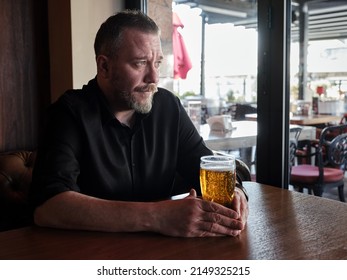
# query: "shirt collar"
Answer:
x=105 y=110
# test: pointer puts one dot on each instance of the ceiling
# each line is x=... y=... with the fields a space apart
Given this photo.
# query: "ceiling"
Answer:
x=326 y=19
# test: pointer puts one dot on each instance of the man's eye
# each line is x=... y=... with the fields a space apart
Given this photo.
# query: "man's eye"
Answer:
x=141 y=63
x=158 y=63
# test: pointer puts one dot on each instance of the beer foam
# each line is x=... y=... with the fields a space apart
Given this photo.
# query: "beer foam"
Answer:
x=214 y=167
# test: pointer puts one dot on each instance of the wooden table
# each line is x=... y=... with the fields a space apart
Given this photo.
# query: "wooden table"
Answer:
x=305 y=120
x=243 y=135
x=282 y=224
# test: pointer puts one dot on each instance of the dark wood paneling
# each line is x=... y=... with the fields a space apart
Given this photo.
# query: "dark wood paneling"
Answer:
x=60 y=47
x=24 y=72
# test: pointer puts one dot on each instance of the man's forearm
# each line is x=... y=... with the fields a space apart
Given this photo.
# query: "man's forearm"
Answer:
x=71 y=210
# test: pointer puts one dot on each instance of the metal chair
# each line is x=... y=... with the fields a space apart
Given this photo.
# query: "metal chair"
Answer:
x=329 y=165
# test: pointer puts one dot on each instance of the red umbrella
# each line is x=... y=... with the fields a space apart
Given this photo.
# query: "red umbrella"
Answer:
x=182 y=63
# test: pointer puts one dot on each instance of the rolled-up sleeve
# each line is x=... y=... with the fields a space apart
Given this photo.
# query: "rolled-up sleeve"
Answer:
x=56 y=169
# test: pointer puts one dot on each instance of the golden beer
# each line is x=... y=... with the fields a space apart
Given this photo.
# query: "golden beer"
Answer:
x=218 y=179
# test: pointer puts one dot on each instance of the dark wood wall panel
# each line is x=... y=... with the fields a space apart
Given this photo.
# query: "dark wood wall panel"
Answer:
x=24 y=72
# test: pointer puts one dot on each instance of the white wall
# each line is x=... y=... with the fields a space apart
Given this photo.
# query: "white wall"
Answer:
x=86 y=18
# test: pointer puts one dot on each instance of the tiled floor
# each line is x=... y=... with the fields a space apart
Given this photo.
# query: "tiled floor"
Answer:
x=331 y=193
x=328 y=193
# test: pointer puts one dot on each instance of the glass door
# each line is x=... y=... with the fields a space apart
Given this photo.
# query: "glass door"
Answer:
x=221 y=41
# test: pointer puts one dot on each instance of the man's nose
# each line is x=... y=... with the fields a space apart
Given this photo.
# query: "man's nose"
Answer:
x=152 y=75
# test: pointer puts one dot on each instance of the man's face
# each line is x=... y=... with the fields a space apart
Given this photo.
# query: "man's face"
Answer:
x=134 y=71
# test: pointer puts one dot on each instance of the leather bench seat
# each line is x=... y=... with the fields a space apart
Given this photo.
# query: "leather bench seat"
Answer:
x=15 y=179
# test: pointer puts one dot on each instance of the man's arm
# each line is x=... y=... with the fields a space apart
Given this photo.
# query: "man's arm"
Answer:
x=188 y=217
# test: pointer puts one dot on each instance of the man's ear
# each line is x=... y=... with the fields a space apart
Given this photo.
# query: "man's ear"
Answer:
x=102 y=65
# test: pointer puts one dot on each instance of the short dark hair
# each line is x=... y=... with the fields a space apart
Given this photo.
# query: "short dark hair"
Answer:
x=110 y=32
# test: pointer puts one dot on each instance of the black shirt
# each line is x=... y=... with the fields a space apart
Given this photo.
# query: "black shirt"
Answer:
x=86 y=149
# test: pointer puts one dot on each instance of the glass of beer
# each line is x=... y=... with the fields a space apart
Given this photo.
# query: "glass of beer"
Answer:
x=218 y=178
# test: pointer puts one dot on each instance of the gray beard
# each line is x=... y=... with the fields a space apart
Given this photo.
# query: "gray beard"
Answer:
x=142 y=108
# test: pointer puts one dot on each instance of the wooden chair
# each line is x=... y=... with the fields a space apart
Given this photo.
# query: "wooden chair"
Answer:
x=328 y=167
x=343 y=119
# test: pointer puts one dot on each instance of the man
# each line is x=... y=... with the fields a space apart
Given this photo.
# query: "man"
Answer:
x=112 y=150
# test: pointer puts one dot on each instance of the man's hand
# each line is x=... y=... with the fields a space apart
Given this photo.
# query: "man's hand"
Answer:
x=240 y=205
x=194 y=217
